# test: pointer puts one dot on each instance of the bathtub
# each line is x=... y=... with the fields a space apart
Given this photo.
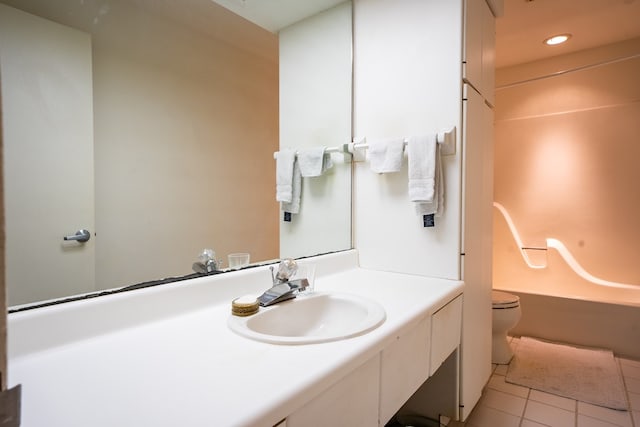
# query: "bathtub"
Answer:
x=561 y=299
x=581 y=322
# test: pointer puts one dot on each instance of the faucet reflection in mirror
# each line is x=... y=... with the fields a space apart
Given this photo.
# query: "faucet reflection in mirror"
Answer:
x=207 y=262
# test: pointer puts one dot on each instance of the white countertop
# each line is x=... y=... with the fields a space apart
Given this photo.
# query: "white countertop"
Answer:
x=164 y=356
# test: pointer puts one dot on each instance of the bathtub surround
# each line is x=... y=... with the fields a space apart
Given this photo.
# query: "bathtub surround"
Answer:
x=565 y=169
x=564 y=253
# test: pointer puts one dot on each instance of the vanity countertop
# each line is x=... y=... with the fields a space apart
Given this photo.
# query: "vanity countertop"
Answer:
x=165 y=357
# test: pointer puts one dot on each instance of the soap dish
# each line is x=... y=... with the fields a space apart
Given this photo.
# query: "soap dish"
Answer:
x=244 y=306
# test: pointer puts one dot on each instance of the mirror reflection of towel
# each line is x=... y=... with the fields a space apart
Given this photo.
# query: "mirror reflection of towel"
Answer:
x=296 y=190
x=285 y=159
x=314 y=161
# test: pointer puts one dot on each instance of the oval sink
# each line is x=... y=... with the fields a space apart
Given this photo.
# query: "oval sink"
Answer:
x=319 y=317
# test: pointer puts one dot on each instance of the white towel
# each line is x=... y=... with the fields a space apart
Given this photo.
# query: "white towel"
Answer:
x=385 y=156
x=437 y=205
x=296 y=192
x=426 y=178
x=284 y=174
x=314 y=161
x=422 y=167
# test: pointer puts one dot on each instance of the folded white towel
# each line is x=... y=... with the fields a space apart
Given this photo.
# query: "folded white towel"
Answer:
x=437 y=205
x=386 y=156
x=422 y=167
x=296 y=191
x=284 y=174
x=314 y=161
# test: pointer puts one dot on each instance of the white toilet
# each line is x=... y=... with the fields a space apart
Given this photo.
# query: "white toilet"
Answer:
x=506 y=314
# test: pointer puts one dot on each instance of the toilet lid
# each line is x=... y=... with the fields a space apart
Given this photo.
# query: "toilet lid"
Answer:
x=504 y=300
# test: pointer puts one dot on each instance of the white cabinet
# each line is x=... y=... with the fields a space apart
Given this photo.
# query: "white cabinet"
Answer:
x=374 y=392
x=352 y=401
x=477 y=196
x=405 y=366
x=476 y=247
x=446 y=327
x=479 y=48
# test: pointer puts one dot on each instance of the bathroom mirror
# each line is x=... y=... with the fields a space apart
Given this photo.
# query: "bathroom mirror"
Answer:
x=159 y=121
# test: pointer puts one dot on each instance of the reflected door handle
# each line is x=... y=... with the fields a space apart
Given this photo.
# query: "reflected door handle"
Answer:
x=80 y=236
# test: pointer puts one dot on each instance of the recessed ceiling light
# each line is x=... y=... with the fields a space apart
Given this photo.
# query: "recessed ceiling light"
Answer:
x=560 y=38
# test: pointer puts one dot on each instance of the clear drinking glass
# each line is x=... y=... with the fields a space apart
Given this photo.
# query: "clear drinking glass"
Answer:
x=238 y=260
x=306 y=270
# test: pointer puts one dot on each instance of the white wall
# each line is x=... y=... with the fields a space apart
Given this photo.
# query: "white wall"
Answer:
x=407 y=82
x=47 y=132
x=315 y=111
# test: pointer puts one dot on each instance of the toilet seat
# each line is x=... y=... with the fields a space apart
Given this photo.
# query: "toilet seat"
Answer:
x=504 y=300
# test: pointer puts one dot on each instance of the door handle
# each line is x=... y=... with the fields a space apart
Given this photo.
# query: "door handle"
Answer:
x=80 y=236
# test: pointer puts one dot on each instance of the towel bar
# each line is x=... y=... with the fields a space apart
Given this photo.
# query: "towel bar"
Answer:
x=446 y=139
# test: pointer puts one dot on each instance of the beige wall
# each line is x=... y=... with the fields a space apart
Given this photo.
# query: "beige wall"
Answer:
x=566 y=167
x=3 y=287
x=185 y=102
x=199 y=116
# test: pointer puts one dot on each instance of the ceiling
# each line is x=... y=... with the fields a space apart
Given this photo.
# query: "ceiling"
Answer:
x=519 y=33
x=274 y=15
x=526 y=23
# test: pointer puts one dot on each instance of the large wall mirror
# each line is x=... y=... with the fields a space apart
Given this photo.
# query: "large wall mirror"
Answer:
x=153 y=125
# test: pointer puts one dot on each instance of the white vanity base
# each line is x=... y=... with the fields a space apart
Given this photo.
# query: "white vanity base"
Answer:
x=164 y=356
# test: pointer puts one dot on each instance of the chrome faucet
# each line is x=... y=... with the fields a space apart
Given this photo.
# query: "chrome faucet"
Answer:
x=283 y=289
x=207 y=262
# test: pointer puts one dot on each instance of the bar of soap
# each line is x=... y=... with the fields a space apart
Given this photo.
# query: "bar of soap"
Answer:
x=245 y=305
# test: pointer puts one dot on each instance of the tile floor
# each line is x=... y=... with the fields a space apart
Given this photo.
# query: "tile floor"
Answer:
x=508 y=405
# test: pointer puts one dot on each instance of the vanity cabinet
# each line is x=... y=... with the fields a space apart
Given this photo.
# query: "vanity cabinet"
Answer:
x=352 y=401
x=404 y=367
x=371 y=394
x=446 y=328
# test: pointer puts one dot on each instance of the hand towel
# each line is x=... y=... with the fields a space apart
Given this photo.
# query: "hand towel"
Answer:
x=296 y=191
x=422 y=152
x=314 y=161
x=284 y=174
x=385 y=156
x=437 y=205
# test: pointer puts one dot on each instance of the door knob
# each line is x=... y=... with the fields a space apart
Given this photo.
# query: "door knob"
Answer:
x=80 y=236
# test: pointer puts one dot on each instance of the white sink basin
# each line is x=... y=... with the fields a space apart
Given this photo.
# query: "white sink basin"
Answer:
x=319 y=317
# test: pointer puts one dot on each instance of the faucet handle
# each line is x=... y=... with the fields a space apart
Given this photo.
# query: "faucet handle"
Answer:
x=286 y=269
